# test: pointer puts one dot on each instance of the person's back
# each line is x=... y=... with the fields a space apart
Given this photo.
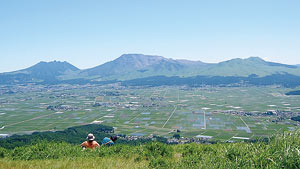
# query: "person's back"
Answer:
x=90 y=143
x=109 y=141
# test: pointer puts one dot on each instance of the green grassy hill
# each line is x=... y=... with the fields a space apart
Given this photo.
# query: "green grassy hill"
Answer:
x=280 y=151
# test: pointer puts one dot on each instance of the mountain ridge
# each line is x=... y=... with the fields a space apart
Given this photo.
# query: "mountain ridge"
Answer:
x=134 y=66
x=42 y=71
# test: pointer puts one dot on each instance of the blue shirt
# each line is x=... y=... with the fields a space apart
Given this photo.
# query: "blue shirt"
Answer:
x=107 y=141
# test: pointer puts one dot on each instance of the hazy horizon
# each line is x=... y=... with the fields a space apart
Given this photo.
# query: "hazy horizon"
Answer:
x=87 y=34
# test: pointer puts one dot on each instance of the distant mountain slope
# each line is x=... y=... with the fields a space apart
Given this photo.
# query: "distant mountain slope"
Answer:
x=132 y=66
x=124 y=64
x=42 y=71
x=52 y=69
x=136 y=66
x=129 y=66
x=247 y=67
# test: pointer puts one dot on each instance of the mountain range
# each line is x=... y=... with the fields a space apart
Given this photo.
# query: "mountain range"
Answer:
x=129 y=67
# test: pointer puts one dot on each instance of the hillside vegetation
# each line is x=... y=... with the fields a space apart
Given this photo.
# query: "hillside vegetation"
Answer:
x=281 y=151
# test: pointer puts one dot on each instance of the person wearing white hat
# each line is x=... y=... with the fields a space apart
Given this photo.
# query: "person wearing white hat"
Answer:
x=90 y=143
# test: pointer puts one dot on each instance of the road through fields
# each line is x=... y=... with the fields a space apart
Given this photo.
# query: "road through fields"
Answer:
x=170 y=116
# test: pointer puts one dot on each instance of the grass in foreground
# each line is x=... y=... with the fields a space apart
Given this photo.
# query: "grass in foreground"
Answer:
x=283 y=151
x=78 y=163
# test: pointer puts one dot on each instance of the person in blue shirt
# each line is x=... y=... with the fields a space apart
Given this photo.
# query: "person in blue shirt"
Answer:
x=109 y=141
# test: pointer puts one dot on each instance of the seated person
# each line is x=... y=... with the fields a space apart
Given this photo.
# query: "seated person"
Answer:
x=109 y=141
x=90 y=143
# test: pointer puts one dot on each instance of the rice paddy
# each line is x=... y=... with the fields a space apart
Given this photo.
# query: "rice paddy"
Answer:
x=144 y=111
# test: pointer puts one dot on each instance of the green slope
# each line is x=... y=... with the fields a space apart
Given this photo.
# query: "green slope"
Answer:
x=281 y=151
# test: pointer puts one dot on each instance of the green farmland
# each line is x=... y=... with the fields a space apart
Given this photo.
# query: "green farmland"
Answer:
x=145 y=111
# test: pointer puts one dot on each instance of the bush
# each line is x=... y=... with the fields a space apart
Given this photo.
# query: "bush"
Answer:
x=46 y=150
x=158 y=150
x=3 y=152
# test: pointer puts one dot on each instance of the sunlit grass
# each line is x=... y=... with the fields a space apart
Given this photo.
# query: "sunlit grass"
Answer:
x=281 y=151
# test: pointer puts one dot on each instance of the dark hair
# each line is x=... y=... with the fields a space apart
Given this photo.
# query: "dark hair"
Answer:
x=113 y=138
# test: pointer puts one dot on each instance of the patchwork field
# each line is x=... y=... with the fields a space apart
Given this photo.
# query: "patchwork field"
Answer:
x=196 y=112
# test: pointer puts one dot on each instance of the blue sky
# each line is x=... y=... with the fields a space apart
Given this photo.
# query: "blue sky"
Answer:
x=87 y=33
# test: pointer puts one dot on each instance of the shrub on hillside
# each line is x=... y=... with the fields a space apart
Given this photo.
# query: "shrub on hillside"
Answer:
x=46 y=150
x=3 y=152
